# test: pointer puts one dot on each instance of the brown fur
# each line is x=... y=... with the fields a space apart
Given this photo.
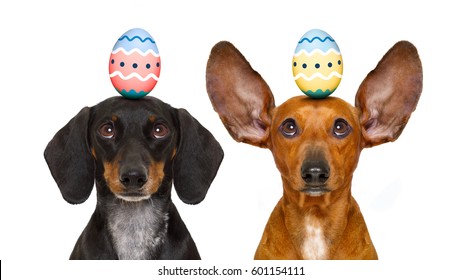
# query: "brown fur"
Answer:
x=305 y=224
x=155 y=177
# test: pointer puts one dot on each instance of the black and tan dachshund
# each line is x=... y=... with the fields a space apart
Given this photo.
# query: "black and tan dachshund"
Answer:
x=134 y=150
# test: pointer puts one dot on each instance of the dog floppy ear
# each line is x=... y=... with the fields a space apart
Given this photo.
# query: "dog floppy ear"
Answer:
x=70 y=161
x=197 y=160
x=239 y=95
x=389 y=94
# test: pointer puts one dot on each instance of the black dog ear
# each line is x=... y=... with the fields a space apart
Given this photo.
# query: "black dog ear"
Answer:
x=69 y=159
x=197 y=160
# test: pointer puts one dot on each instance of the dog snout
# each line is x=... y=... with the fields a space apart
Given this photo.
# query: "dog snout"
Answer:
x=133 y=178
x=133 y=168
x=315 y=173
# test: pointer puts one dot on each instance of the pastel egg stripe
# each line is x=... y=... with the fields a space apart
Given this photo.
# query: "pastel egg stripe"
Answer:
x=133 y=75
x=140 y=52
x=309 y=47
x=133 y=84
x=316 y=38
x=317 y=75
x=136 y=38
x=133 y=93
x=316 y=51
x=319 y=93
x=143 y=40
x=127 y=64
x=317 y=62
x=318 y=83
x=142 y=47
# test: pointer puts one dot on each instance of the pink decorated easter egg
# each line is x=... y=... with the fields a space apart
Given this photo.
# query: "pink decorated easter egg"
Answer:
x=134 y=64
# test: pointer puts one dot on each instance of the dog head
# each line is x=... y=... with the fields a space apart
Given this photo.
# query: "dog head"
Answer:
x=315 y=142
x=133 y=149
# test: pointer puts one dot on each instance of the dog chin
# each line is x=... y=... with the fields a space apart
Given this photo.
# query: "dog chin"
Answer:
x=133 y=198
x=315 y=191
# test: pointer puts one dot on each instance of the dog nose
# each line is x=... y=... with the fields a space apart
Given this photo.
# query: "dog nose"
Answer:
x=315 y=173
x=133 y=178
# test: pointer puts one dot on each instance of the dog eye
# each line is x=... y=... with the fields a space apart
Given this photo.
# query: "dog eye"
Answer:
x=341 y=128
x=159 y=131
x=107 y=130
x=289 y=128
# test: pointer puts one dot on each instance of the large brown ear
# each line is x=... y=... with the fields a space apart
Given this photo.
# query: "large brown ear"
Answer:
x=389 y=94
x=239 y=95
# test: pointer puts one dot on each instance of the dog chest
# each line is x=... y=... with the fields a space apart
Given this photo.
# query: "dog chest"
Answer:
x=137 y=229
x=314 y=243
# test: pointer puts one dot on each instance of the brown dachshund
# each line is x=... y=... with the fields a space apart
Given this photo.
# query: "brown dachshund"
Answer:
x=316 y=145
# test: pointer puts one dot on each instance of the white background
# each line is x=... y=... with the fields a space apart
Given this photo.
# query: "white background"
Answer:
x=54 y=61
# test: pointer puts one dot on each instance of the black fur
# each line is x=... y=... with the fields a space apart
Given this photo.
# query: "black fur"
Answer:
x=190 y=157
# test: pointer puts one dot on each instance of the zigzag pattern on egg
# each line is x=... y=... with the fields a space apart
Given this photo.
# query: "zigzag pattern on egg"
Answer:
x=134 y=64
x=317 y=64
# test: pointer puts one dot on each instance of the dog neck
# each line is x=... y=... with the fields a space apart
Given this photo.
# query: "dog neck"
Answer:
x=316 y=224
x=138 y=229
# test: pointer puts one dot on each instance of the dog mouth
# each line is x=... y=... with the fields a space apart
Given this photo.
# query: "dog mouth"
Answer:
x=132 y=196
x=315 y=191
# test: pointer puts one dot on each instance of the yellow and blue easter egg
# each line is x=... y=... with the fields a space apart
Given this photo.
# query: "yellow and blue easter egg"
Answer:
x=134 y=64
x=317 y=64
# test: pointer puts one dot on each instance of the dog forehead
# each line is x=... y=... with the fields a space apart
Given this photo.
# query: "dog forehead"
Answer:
x=306 y=109
x=132 y=110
